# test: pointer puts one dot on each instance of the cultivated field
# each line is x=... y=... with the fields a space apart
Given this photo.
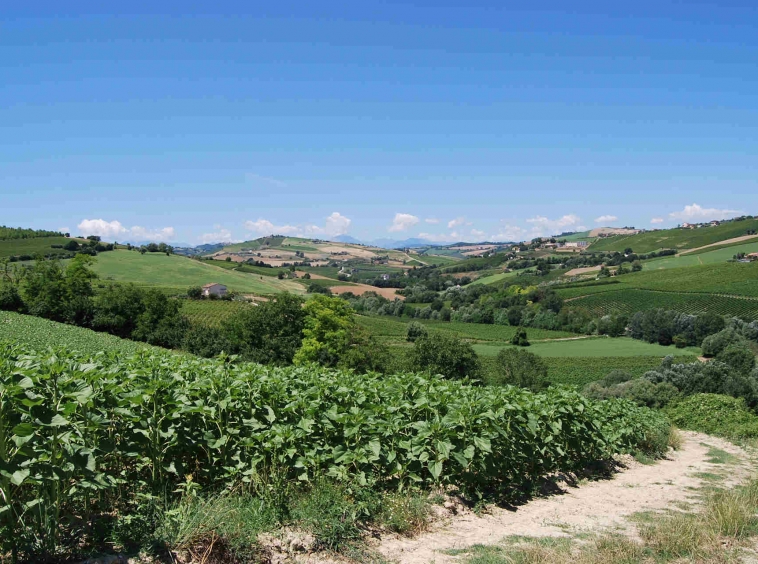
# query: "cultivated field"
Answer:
x=37 y=245
x=675 y=238
x=157 y=269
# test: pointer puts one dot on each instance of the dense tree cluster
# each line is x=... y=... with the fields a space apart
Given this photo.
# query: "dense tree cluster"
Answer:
x=21 y=233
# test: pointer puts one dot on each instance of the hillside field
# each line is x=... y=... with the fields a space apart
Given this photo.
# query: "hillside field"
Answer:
x=157 y=269
x=33 y=246
x=705 y=256
x=676 y=238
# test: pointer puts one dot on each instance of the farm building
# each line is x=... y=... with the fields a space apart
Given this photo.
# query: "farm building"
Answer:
x=214 y=289
x=575 y=244
x=752 y=256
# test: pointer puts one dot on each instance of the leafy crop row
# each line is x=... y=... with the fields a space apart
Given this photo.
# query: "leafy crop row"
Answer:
x=211 y=312
x=81 y=436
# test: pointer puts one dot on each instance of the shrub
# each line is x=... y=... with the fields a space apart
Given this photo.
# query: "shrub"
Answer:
x=439 y=353
x=714 y=344
x=519 y=338
x=738 y=357
x=10 y=299
x=716 y=415
x=195 y=293
x=520 y=368
x=641 y=391
x=415 y=330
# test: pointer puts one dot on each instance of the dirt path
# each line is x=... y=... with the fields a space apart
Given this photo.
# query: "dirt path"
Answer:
x=593 y=506
x=720 y=243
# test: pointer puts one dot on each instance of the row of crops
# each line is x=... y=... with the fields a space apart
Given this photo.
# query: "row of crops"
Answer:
x=631 y=300
x=83 y=436
x=211 y=312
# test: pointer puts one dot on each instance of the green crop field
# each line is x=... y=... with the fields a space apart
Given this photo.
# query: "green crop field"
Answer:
x=705 y=256
x=157 y=269
x=41 y=333
x=581 y=236
x=580 y=371
x=211 y=312
x=631 y=300
x=499 y=277
x=438 y=260
x=386 y=326
x=41 y=245
x=246 y=268
x=675 y=238
x=594 y=347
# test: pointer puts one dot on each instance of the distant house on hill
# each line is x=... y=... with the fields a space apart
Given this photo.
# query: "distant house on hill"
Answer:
x=752 y=256
x=714 y=223
x=214 y=289
x=576 y=244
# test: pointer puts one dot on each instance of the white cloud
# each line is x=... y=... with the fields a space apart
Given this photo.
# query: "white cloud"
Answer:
x=509 y=233
x=143 y=234
x=102 y=228
x=606 y=219
x=402 y=222
x=64 y=230
x=542 y=226
x=435 y=238
x=111 y=230
x=456 y=222
x=335 y=224
x=477 y=233
x=697 y=212
x=432 y=220
x=265 y=227
x=656 y=220
x=221 y=236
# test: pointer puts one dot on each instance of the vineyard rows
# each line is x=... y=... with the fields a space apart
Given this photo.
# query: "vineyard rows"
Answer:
x=631 y=300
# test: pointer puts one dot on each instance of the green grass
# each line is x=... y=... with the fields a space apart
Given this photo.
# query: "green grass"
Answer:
x=386 y=326
x=706 y=256
x=581 y=236
x=580 y=371
x=595 y=347
x=40 y=333
x=495 y=278
x=41 y=245
x=211 y=312
x=438 y=260
x=675 y=238
x=156 y=269
x=246 y=268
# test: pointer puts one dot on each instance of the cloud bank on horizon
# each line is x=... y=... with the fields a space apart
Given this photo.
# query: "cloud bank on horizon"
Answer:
x=458 y=229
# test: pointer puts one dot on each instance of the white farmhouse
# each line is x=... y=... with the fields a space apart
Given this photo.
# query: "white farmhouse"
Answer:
x=214 y=289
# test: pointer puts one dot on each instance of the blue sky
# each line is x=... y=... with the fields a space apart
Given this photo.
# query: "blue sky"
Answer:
x=198 y=121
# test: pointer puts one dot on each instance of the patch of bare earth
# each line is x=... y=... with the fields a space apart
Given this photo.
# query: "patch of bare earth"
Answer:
x=583 y=270
x=360 y=289
x=593 y=507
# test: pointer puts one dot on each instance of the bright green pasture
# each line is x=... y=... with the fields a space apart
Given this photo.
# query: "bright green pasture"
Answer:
x=386 y=326
x=494 y=278
x=593 y=347
x=211 y=312
x=157 y=269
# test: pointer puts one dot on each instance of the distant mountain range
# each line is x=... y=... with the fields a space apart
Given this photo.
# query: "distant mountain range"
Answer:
x=391 y=243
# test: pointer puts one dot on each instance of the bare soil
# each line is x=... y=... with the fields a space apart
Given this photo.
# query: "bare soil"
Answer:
x=583 y=270
x=590 y=507
x=360 y=289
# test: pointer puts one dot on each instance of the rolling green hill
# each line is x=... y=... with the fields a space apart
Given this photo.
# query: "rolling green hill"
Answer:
x=581 y=236
x=722 y=288
x=33 y=246
x=157 y=269
x=675 y=238
x=706 y=256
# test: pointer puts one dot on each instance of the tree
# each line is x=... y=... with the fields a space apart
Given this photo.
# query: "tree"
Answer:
x=415 y=330
x=714 y=344
x=160 y=322
x=521 y=368
x=117 y=308
x=10 y=299
x=514 y=315
x=739 y=357
x=270 y=333
x=448 y=355
x=195 y=293
x=636 y=266
x=228 y=259
x=519 y=338
x=326 y=335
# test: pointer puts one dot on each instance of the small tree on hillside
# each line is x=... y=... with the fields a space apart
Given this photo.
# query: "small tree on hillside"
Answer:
x=520 y=339
x=448 y=355
x=521 y=368
x=414 y=331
